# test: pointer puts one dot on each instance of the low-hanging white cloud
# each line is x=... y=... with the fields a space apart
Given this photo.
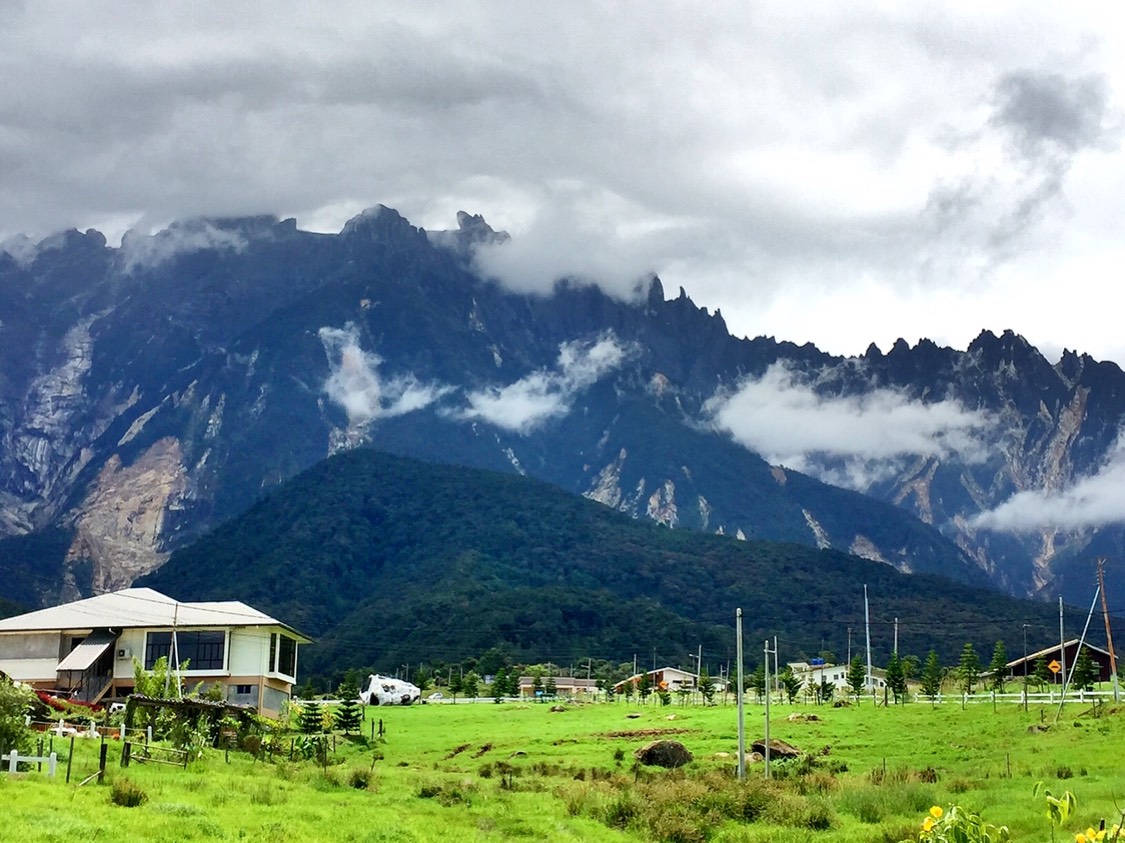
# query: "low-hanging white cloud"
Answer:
x=852 y=440
x=1090 y=502
x=356 y=385
x=142 y=251
x=541 y=396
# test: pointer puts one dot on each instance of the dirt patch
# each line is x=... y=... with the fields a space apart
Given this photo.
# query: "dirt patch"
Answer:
x=457 y=750
x=643 y=733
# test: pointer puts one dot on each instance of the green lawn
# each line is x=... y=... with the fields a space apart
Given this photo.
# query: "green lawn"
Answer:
x=489 y=772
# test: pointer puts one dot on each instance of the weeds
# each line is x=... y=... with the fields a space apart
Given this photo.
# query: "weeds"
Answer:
x=127 y=794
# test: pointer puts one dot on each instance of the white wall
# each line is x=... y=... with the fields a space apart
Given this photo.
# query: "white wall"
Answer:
x=30 y=645
x=248 y=652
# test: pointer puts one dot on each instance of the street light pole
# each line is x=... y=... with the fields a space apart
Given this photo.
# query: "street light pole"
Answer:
x=1025 y=667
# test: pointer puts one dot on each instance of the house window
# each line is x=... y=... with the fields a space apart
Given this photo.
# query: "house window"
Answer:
x=273 y=652
x=203 y=650
x=242 y=690
x=287 y=656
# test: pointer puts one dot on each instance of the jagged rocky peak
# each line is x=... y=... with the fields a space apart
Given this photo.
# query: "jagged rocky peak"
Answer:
x=1007 y=348
x=472 y=231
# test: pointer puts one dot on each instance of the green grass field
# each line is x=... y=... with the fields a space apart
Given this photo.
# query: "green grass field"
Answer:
x=488 y=772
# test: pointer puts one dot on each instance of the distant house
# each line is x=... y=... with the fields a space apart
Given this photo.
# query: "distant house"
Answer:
x=1056 y=653
x=812 y=675
x=669 y=679
x=85 y=649
x=565 y=686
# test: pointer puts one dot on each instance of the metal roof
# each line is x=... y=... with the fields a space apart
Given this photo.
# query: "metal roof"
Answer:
x=88 y=651
x=140 y=607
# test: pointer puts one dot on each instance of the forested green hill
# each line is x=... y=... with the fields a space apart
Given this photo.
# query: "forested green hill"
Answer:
x=387 y=561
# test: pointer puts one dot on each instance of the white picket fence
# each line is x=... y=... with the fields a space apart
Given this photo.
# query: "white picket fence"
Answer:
x=14 y=758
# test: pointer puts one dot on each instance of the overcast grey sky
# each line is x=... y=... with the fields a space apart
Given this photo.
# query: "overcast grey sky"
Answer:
x=825 y=172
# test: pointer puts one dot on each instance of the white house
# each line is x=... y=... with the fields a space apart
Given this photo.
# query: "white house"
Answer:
x=812 y=675
x=669 y=679
x=86 y=648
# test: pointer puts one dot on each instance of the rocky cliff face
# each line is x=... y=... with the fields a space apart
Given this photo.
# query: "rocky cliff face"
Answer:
x=151 y=391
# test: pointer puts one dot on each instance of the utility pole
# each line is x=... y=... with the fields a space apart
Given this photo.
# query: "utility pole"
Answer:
x=776 y=675
x=849 y=645
x=1062 y=641
x=1025 y=667
x=896 y=636
x=767 y=741
x=741 y=722
x=1108 y=632
x=867 y=625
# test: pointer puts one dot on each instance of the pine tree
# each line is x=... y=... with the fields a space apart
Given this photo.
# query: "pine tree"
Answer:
x=456 y=684
x=1041 y=673
x=552 y=689
x=470 y=684
x=758 y=681
x=644 y=687
x=312 y=718
x=896 y=677
x=968 y=668
x=706 y=687
x=857 y=675
x=1085 y=672
x=348 y=712
x=931 y=676
x=998 y=667
x=825 y=690
x=500 y=684
x=791 y=683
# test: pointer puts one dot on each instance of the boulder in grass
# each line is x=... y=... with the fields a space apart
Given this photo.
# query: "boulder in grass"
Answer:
x=778 y=749
x=664 y=753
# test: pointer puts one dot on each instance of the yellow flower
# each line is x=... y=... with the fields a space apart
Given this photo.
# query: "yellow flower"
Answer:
x=936 y=812
x=928 y=823
x=1080 y=838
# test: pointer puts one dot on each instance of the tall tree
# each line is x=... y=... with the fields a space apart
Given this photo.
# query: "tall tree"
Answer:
x=706 y=687
x=456 y=683
x=968 y=668
x=857 y=675
x=312 y=718
x=1041 y=673
x=757 y=682
x=500 y=684
x=348 y=713
x=1085 y=671
x=998 y=667
x=896 y=678
x=791 y=683
x=470 y=685
x=644 y=687
x=931 y=676
x=825 y=690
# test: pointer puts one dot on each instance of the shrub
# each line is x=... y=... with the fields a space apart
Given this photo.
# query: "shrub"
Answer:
x=14 y=705
x=127 y=794
x=360 y=778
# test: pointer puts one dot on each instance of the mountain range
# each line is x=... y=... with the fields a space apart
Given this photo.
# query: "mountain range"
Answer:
x=152 y=391
x=387 y=561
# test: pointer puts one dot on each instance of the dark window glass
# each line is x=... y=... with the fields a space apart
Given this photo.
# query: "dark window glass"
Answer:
x=287 y=656
x=157 y=644
x=202 y=650
x=273 y=652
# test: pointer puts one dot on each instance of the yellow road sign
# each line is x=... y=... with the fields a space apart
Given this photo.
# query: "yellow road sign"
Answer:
x=1055 y=666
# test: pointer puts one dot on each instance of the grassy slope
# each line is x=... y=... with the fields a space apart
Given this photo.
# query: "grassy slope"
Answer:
x=388 y=561
x=970 y=750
